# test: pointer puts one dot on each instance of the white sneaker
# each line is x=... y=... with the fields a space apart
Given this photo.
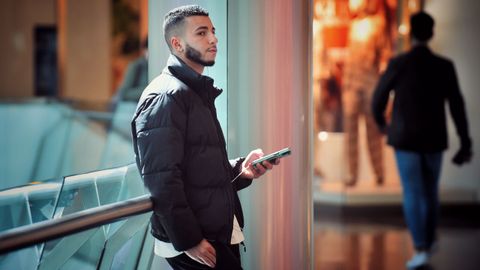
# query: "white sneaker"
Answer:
x=419 y=259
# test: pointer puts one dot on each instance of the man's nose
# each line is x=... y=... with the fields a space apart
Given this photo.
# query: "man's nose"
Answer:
x=213 y=39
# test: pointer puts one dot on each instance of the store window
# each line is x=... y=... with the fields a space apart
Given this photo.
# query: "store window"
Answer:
x=352 y=43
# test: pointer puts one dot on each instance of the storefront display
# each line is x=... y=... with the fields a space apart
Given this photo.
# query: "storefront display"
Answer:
x=352 y=43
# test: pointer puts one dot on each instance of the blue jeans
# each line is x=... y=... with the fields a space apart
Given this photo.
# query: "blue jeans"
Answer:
x=419 y=173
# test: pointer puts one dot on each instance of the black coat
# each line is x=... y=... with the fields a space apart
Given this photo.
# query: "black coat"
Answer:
x=181 y=154
x=422 y=83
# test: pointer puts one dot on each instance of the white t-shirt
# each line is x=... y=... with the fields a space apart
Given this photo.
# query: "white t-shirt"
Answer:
x=166 y=250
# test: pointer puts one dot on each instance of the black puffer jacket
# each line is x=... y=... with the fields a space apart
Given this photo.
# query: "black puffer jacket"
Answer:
x=181 y=154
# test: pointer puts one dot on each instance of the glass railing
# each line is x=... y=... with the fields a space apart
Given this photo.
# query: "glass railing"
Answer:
x=23 y=206
x=44 y=139
x=125 y=244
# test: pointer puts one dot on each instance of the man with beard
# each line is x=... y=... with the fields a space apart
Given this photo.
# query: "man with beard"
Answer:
x=181 y=153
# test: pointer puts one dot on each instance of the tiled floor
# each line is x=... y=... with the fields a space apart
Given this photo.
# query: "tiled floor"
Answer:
x=379 y=242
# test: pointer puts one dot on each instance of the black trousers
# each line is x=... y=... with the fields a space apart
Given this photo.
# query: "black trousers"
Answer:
x=228 y=258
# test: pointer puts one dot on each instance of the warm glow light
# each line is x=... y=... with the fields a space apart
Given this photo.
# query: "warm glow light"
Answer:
x=412 y=5
x=355 y=5
x=362 y=30
x=319 y=9
x=323 y=136
x=324 y=10
x=403 y=29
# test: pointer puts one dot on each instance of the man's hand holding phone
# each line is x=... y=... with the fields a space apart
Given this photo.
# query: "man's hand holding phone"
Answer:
x=256 y=163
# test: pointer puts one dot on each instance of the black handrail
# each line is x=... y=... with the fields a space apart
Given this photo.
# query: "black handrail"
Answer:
x=40 y=232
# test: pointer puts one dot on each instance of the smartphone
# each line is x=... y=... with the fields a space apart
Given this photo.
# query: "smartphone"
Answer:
x=271 y=157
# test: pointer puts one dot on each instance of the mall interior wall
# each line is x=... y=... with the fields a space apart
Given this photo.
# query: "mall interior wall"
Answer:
x=18 y=19
x=84 y=29
x=457 y=37
x=83 y=47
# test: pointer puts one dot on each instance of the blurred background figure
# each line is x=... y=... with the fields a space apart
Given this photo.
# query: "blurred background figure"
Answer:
x=135 y=78
x=422 y=83
x=330 y=113
x=367 y=49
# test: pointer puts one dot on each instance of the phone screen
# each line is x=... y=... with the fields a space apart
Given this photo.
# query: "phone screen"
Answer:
x=271 y=157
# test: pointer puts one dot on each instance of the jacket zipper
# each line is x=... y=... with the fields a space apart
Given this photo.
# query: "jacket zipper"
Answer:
x=226 y=164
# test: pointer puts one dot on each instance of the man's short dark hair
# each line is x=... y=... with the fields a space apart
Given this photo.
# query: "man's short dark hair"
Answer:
x=175 y=18
x=421 y=25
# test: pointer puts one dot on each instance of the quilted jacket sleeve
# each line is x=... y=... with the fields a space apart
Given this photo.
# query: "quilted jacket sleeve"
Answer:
x=241 y=182
x=160 y=141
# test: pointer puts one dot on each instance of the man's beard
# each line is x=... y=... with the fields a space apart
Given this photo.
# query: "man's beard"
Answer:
x=196 y=57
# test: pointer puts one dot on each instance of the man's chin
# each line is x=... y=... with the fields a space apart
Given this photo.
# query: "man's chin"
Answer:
x=209 y=63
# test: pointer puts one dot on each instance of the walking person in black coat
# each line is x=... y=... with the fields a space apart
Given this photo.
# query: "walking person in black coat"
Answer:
x=421 y=82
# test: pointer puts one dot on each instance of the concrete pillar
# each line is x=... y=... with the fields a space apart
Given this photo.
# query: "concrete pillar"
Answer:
x=84 y=35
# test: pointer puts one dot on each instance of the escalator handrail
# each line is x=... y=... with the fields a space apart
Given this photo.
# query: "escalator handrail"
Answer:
x=41 y=232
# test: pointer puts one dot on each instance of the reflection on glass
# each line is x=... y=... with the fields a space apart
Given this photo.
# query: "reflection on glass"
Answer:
x=86 y=191
x=77 y=251
x=22 y=206
x=29 y=204
x=360 y=246
x=60 y=197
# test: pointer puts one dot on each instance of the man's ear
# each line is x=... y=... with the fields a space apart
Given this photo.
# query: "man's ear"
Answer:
x=176 y=44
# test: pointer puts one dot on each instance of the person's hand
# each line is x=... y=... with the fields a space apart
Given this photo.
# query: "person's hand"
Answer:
x=203 y=253
x=251 y=172
x=462 y=156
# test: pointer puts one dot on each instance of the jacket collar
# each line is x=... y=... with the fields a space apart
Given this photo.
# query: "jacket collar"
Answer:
x=202 y=85
x=422 y=49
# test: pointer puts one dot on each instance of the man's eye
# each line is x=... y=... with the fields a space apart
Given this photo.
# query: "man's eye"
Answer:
x=201 y=33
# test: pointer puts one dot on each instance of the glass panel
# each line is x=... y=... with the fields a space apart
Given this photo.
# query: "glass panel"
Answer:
x=23 y=206
x=78 y=251
x=92 y=249
x=118 y=148
x=86 y=191
x=17 y=260
x=28 y=204
x=22 y=144
x=125 y=237
x=58 y=141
